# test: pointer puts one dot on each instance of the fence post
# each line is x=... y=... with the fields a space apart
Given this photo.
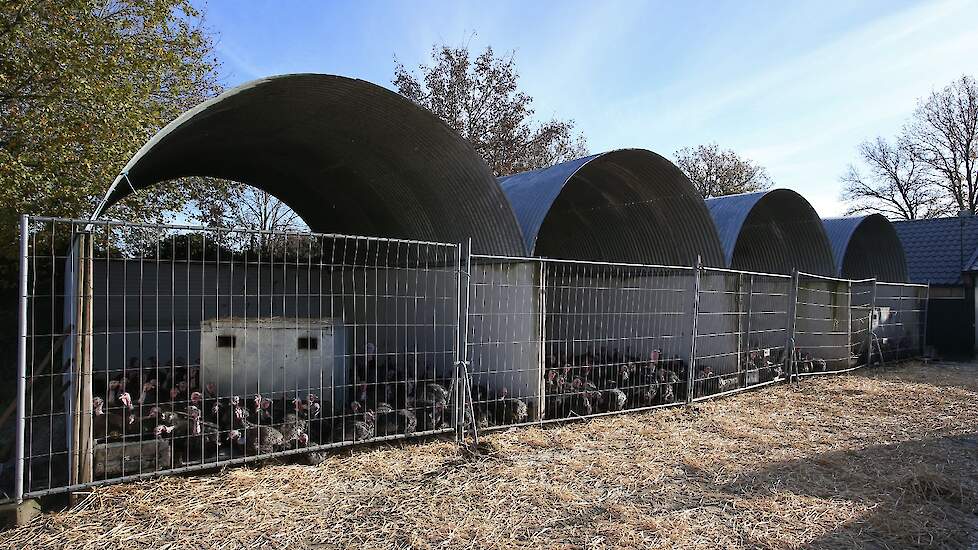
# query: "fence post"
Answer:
x=21 y=365
x=459 y=412
x=691 y=371
x=869 y=329
x=789 y=345
x=542 y=354
x=464 y=383
x=849 y=354
x=744 y=358
x=82 y=444
x=923 y=345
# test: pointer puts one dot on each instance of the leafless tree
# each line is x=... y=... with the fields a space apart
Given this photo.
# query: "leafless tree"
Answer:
x=894 y=182
x=480 y=99
x=943 y=134
x=242 y=206
x=716 y=172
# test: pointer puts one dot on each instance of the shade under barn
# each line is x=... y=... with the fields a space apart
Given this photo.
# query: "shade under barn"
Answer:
x=629 y=205
x=348 y=156
x=866 y=247
x=774 y=231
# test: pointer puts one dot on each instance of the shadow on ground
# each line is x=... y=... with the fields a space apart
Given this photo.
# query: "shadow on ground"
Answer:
x=921 y=493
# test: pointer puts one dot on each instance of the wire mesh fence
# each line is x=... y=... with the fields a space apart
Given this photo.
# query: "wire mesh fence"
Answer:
x=152 y=349
x=741 y=331
x=899 y=320
x=831 y=324
x=553 y=339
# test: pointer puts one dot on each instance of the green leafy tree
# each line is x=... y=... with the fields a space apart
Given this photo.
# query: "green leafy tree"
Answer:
x=83 y=84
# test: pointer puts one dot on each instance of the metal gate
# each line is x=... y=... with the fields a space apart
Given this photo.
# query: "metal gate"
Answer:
x=151 y=349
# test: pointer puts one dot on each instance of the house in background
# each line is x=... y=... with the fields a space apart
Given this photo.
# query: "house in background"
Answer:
x=943 y=252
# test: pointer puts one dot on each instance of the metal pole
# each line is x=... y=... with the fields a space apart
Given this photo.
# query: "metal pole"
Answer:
x=849 y=355
x=21 y=365
x=869 y=329
x=923 y=346
x=691 y=372
x=542 y=362
x=744 y=358
x=789 y=345
x=459 y=412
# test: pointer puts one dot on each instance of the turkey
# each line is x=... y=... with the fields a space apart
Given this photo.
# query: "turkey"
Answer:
x=113 y=424
x=357 y=427
x=578 y=402
x=666 y=381
x=257 y=439
x=706 y=382
x=614 y=400
x=295 y=431
x=391 y=421
x=507 y=410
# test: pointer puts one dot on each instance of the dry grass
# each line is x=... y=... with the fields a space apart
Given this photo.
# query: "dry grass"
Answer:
x=886 y=460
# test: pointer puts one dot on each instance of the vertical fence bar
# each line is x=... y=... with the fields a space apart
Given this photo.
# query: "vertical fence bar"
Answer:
x=744 y=358
x=461 y=382
x=923 y=345
x=849 y=354
x=789 y=346
x=21 y=364
x=869 y=327
x=691 y=371
x=542 y=352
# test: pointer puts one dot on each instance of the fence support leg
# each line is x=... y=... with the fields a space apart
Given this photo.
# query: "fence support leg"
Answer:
x=870 y=335
x=789 y=345
x=923 y=345
x=691 y=371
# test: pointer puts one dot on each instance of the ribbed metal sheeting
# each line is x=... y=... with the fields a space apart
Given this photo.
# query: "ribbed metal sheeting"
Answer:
x=628 y=205
x=865 y=247
x=774 y=231
x=347 y=155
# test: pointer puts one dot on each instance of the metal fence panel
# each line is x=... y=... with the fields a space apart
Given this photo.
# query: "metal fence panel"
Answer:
x=553 y=339
x=829 y=313
x=899 y=320
x=741 y=331
x=155 y=349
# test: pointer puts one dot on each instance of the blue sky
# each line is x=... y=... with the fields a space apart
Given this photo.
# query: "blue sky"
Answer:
x=793 y=85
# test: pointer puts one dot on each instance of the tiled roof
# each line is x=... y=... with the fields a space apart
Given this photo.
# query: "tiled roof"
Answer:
x=939 y=249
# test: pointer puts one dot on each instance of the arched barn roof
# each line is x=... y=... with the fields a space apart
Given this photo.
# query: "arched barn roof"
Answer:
x=773 y=231
x=347 y=155
x=865 y=247
x=629 y=205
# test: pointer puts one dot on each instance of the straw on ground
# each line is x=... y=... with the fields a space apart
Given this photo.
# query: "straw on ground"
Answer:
x=884 y=459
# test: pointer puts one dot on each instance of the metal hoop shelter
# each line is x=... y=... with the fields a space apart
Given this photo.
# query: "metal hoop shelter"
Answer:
x=348 y=156
x=628 y=205
x=865 y=247
x=774 y=231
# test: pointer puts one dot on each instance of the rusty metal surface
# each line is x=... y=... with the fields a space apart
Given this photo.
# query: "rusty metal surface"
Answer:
x=773 y=231
x=347 y=155
x=628 y=205
x=866 y=247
